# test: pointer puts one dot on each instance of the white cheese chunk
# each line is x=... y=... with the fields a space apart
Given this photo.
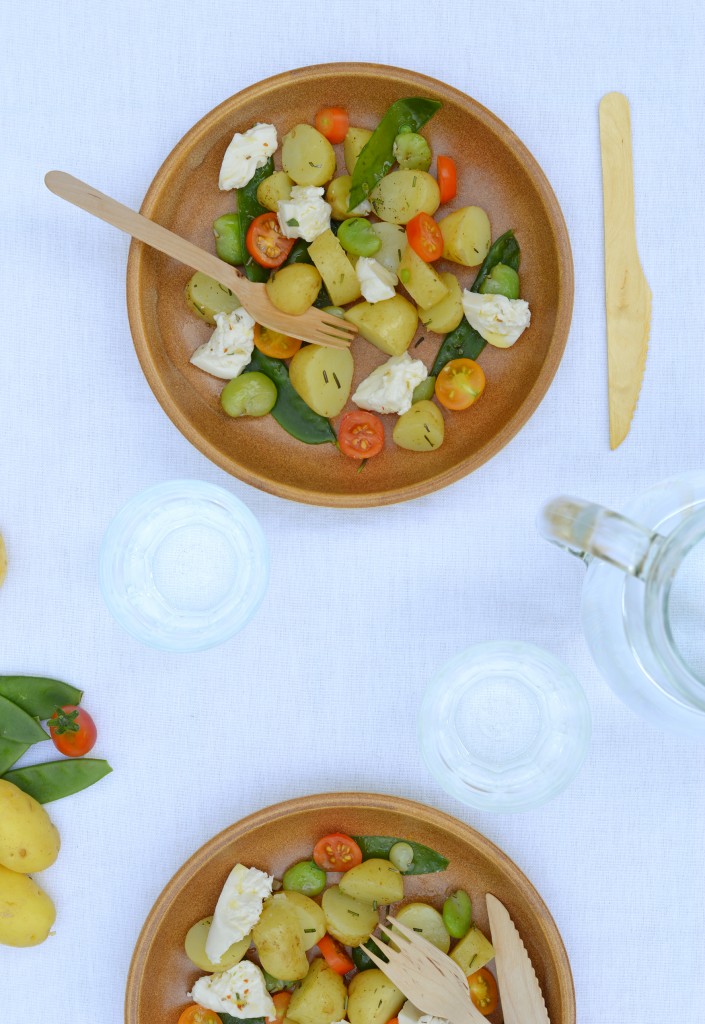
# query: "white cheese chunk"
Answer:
x=247 y=152
x=305 y=214
x=229 y=349
x=240 y=991
x=390 y=387
x=410 y=1014
x=238 y=909
x=497 y=319
x=376 y=282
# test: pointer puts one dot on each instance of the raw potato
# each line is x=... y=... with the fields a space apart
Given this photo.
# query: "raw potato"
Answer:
x=421 y=429
x=390 y=325
x=322 y=377
x=195 y=946
x=473 y=951
x=26 y=912
x=335 y=268
x=338 y=195
x=374 y=881
x=294 y=289
x=355 y=142
x=425 y=920
x=3 y=561
x=311 y=917
x=28 y=840
x=466 y=236
x=393 y=238
x=373 y=999
x=206 y=298
x=420 y=279
x=321 y=997
x=444 y=316
x=399 y=196
x=348 y=920
x=307 y=156
x=277 y=186
x=279 y=939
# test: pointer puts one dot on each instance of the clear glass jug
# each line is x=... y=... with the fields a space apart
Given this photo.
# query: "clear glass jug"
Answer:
x=643 y=604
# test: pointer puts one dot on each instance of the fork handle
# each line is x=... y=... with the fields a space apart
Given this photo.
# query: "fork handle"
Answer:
x=90 y=199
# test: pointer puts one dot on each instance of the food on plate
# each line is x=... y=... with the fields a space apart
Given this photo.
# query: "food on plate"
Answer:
x=333 y=122
x=310 y=915
x=349 y=920
x=335 y=268
x=445 y=315
x=389 y=325
x=427 y=922
x=228 y=242
x=447 y=175
x=402 y=195
x=280 y=941
x=246 y=153
x=273 y=190
x=466 y=236
x=195 y=947
x=425 y=237
x=338 y=195
x=412 y=151
x=293 y=289
x=358 y=237
x=420 y=279
x=322 y=377
x=497 y=319
x=72 y=730
x=376 y=282
x=457 y=914
x=305 y=877
x=393 y=239
x=229 y=348
x=305 y=214
x=420 y=428
x=355 y=141
x=267 y=243
x=361 y=435
x=26 y=912
x=238 y=909
x=473 y=951
x=373 y=881
x=390 y=388
x=459 y=384
x=240 y=991
x=250 y=394
x=321 y=997
x=373 y=998
x=501 y=280
x=206 y=297
x=199 y=1015
x=483 y=991
x=307 y=156
x=28 y=839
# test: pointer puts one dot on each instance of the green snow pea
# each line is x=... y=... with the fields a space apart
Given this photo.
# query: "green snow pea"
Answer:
x=10 y=752
x=248 y=208
x=290 y=411
x=299 y=253
x=228 y=239
x=56 y=779
x=38 y=695
x=505 y=250
x=357 y=237
x=425 y=862
x=17 y=725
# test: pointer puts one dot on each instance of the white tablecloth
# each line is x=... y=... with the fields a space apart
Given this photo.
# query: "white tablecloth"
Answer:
x=333 y=667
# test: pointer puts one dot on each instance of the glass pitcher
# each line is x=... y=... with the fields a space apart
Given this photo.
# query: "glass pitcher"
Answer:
x=643 y=602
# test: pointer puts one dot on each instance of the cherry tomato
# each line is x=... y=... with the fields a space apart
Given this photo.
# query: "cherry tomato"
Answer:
x=335 y=956
x=72 y=730
x=198 y=1015
x=447 y=178
x=272 y=343
x=265 y=242
x=337 y=852
x=425 y=238
x=281 y=1002
x=483 y=991
x=333 y=122
x=361 y=434
x=459 y=384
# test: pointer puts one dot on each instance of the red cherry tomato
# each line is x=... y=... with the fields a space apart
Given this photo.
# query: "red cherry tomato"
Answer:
x=447 y=178
x=333 y=122
x=425 y=238
x=337 y=852
x=281 y=1002
x=265 y=242
x=72 y=730
x=361 y=434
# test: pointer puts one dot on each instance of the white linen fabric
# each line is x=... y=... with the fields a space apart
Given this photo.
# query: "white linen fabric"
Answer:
x=363 y=605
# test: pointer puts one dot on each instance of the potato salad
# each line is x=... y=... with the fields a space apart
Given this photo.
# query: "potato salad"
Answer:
x=295 y=950
x=380 y=242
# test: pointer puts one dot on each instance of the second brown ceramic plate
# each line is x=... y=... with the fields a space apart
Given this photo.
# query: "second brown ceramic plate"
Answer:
x=161 y=974
x=495 y=171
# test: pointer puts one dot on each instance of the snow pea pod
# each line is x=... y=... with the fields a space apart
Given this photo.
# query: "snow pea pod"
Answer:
x=16 y=724
x=377 y=156
x=290 y=411
x=248 y=208
x=505 y=250
x=299 y=253
x=38 y=695
x=425 y=862
x=10 y=752
x=56 y=779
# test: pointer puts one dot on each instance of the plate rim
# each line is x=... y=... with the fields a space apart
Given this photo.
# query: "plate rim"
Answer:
x=494 y=444
x=339 y=801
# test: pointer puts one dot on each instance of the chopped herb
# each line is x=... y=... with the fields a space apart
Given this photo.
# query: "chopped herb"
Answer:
x=413 y=183
x=474 y=958
x=419 y=341
x=325 y=376
x=430 y=442
x=379 y=1004
x=359 y=468
x=335 y=378
x=293 y=223
x=427 y=428
x=399 y=252
x=309 y=931
x=311 y=164
x=375 y=904
x=354 y=913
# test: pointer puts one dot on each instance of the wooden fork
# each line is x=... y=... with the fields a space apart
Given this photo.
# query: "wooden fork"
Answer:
x=314 y=325
x=431 y=980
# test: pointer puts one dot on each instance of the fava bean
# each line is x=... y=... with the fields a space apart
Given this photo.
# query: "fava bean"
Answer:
x=56 y=779
x=228 y=239
x=402 y=856
x=357 y=237
x=305 y=877
x=412 y=151
x=457 y=914
x=250 y=394
x=501 y=280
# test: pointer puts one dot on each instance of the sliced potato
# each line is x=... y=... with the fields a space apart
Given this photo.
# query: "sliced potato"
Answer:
x=374 y=881
x=421 y=429
x=445 y=315
x=320 y=999
x=466 y=236
x=206 y=297
x=355 y=142
x=279 y=939
x=347 y=919
x=335 y=268
x=425 y=920
x=373 y=998
x=307 y=156
x=277 y=186
x=420 y=279
x=399 y=196
x=323 y=377
x=390 y=325
x=393 y=238
x=473 y=951
x=311 y=917
x=294 y=289
x=338 y=195
x=195 y=946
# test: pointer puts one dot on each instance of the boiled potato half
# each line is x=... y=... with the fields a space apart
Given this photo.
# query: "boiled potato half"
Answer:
x=420 y=279
x=26 y=912
x=277 y=186
x=28 y=839
x=466 y=236
x=195 y=947
x=338 y=195
x=374 y=881
x=279 y=939
x=347 y=919
x=321 y=997
x=355 y=142
x=425 y=920
x=390 y=325
x=334 y=266
x=294 y=289
x=444 y=316
x=473 y=951
x=393 y=238
x=310 y=915
x=421 y=429
x=307 y=156
x=399 y=196
x=373 y=999
x=323 y=377
x=206 y=298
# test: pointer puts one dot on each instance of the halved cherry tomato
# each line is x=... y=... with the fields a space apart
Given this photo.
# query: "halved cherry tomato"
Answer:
x=483 y=991
x=361 y=435
x=272 y=343
x=459 y=384
x=281 y=1002
x=447 y=178
x=198 y=1015
x=334 y=955
x=333 y=122
x=265 y=242
x=425 y=238
x=338 y=852
x=72 y=730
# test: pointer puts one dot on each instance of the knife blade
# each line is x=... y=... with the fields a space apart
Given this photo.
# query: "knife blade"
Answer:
x=519 y=990
x=627 y=293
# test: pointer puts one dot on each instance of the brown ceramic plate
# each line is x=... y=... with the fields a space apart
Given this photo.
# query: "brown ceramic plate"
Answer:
x=161 y=974
x=496 y=171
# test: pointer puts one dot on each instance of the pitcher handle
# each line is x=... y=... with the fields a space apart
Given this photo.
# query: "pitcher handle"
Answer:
x=590 y=530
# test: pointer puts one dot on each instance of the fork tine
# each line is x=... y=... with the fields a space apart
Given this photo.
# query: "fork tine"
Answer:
x=403 y=929
x=387 y=931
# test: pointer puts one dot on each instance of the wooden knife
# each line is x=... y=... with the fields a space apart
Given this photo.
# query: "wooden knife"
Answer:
x=627 y=293
x=519 y=990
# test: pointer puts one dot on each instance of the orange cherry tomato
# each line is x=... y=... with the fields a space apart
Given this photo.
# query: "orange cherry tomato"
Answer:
x=272 y=343
x=425 y=238
x=335 y=956
x=198 y=1015
x=459 y=384
x=447 y=178
x=394 y=1020
x=361 y=436
x=333 y=122
x=72 y=730
x=265 y=242
x=281 y=1002
x=337 y=852
x=483 y=991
